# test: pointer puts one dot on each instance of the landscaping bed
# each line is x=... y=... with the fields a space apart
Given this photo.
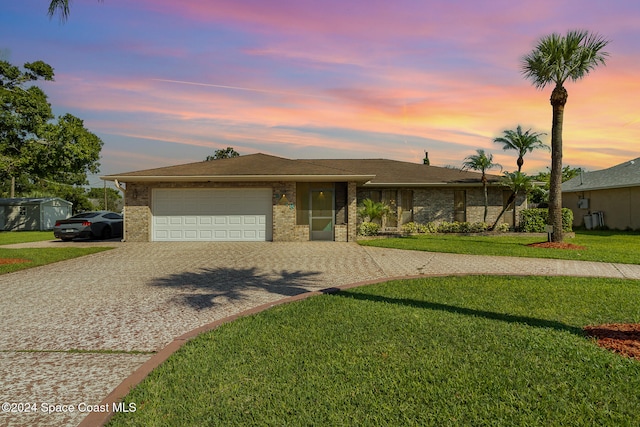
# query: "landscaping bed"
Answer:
x=622 y=338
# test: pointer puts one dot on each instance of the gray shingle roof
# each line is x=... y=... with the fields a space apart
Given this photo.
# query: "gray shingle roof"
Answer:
x=626 y=174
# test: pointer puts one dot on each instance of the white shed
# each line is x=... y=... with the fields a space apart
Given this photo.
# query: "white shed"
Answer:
x=32 y=214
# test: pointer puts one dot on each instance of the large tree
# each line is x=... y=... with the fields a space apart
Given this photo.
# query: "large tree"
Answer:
x=481 y=162
x=555 y=60
x=34 y=148
x=225 y=153
x=522 y=142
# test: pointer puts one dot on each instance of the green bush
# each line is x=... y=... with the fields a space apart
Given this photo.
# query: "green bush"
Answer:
x=410 y=228
x=430 y=227
x=535 y=220
x=503 y=228
x=462 y=227
x=368 y=229
x=414 y=227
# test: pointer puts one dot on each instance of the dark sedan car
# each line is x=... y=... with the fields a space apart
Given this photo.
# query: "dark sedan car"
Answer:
x=100 y=224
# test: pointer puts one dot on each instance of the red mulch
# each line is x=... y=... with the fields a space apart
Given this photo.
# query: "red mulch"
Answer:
x=622 y=338
x=13 y=260
x=555 y=245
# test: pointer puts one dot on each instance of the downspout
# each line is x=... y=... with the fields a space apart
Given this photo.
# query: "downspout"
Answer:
x=124 y=209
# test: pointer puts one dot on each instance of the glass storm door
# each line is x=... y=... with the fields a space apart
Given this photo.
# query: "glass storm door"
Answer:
x=321 y=214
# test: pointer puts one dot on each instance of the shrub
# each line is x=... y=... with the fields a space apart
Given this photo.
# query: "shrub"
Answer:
x=414 y=227
x=368 y=229
x=410 y=228
x=430 y=227
x=535 y=220
x=503 y=228
x=462 y=227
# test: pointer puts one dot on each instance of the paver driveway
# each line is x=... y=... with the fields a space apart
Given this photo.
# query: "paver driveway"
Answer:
x=140 y=296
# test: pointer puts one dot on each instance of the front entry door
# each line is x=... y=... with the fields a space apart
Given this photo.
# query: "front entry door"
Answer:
x=321 y=214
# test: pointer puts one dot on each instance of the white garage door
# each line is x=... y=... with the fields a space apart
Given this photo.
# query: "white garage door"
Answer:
x=211 y=214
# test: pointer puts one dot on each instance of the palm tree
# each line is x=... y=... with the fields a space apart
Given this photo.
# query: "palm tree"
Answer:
x=557 y=59
x=518 y=183
x=481 y=162
x=61 y=7
x=370 y=211
x=523 y=143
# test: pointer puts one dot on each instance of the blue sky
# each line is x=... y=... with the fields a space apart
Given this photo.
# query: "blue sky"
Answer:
x=164 y=82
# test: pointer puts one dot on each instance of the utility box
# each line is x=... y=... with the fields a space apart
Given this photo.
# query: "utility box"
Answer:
x=583 y=203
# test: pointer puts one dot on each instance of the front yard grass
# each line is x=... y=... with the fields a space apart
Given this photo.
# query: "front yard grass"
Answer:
x=20 y=259
x=479 y=350
x=602 y=246
x=11 y=237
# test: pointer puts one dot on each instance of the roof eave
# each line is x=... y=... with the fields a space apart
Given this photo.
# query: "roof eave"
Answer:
x=426 y=184
x=608 y=187
x=238 y=178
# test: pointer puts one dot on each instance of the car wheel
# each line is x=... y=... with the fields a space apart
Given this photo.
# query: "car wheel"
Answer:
x=106 y=233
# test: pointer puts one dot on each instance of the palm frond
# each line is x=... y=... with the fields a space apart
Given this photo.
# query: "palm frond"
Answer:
x=557 y=58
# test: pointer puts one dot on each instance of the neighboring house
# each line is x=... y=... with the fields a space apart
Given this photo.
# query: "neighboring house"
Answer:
x=32 y=214
x=608 y=197
x=262 y=197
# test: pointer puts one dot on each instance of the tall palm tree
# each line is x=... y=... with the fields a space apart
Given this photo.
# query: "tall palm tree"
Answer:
x=61 y=7
x=481 y=162
x=518 y=183
x=523 y=143
x=556 y=59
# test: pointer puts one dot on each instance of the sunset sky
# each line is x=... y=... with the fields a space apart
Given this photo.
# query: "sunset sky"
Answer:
x=164 y=82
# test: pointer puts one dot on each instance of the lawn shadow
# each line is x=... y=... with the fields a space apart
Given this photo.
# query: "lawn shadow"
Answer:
x=530 y=321
x=202 y=288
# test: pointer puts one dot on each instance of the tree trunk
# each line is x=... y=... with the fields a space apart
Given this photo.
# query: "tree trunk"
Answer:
x=558 y=101
x=486 y=199
x=510 y=200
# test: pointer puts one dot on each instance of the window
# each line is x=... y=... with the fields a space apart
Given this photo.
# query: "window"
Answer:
x=406 y=206
x=459 y=205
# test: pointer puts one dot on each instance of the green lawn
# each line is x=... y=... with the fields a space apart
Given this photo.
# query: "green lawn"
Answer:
x=11 y=237
x=35 y=256
x=604 y=246
x=500 y=351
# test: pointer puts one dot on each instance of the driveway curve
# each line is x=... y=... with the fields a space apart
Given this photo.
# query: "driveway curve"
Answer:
x=72 y=331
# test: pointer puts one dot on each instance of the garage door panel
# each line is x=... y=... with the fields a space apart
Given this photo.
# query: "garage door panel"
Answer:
x=211 y=214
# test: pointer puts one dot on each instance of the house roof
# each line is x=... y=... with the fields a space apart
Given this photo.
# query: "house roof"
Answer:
x=252 y=167
x=625 y=174
x=394 y=172
x=263 y=167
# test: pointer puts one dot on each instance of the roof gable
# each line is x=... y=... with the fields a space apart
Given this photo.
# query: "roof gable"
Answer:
x=625 y=174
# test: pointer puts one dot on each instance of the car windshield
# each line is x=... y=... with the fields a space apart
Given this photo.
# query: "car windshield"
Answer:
x=85 y=215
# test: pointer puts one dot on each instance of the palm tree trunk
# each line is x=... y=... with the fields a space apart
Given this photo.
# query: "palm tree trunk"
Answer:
x=510 y=200
x=486 y=200
x=558 y=101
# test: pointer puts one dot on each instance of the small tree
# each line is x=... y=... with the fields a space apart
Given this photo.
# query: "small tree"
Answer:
x=518 y=183
x=481 y=162
x=371 y=211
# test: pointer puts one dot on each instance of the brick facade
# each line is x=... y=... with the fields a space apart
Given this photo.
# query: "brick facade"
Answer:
x=429 y=205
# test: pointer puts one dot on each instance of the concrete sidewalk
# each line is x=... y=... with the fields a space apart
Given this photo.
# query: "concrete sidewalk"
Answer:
x=141 y=296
